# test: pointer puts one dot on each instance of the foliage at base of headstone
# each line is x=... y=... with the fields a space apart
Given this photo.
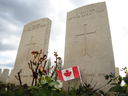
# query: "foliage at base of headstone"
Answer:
x=116 y=81
x=40 y=90
x=7 y=86
x=45 y=83
x=86 y=89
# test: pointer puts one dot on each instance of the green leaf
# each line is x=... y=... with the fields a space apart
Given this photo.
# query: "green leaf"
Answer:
x=48 y=79
x=109 y=81
x=125 y=87
x=51 y=84
x=125 y=80
x=85 y=94
x=116 y=89
x=127 y=92
x=101 y=92
x=42 y=82
x=113 y=84
x=122 y=94
x=33 y=87
x=74 y=87
x=42 y=78
x=88 y=85
x=120 y=80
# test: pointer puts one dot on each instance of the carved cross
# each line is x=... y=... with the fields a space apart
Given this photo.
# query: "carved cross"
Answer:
x=85 y=33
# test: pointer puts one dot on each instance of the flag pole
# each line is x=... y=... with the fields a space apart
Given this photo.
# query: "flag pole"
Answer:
x=80 y=75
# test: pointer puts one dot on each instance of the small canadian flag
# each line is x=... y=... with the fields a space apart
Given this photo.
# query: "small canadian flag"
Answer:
x=68 y=74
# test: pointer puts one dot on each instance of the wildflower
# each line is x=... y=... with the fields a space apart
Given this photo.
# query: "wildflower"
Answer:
x=45 y=71
x=55 y=54
x=54 y=61
x=40 y=72
x=44 y=58
x=106 y=77
x=34 y=52
x=126 y=74
x=41 y=59
x=35 y=75
x=59 y=58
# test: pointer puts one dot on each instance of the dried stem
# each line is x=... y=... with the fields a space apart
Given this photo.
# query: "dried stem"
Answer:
x=100 y=88
x=45 y=64
x=36 y=73
x=30 y=64
x=94 y=85
x=19 y=77
x=32 y=81
x=91 y=81
x=54 y=69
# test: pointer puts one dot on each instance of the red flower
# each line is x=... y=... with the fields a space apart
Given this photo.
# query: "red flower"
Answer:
x=45 y=71
x=34 y=52
x=126 y=74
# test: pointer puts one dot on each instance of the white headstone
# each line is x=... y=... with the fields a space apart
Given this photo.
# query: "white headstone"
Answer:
x=4 y=76
x=88 y=45
x=35 y=36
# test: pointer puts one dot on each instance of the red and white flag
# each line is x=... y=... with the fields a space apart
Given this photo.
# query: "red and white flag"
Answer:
x=68 y=74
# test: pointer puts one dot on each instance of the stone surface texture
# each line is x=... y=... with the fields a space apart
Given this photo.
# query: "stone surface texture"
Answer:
x=117 y=71
x=88 y=45
x=35 y=36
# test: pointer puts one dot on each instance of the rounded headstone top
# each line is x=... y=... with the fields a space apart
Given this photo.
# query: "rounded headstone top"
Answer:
x=36 y=21
x=86 y=6
x=6 y=69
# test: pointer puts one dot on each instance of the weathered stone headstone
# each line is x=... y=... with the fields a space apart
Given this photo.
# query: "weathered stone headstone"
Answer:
x=117 y=71
x=35 y=36
x=4 y=76
x=88 y=44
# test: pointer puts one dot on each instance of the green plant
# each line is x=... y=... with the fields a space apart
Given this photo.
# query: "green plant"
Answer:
x=45 y=81
x=38 y=63
x=116 y=82
x=86 y=89
x=56 y=68
x=7 y=86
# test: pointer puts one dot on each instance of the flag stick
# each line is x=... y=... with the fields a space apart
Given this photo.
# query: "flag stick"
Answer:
x=80 y=75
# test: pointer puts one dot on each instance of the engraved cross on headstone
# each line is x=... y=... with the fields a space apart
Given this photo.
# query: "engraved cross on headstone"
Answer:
x=85 y=33
x=29 y=46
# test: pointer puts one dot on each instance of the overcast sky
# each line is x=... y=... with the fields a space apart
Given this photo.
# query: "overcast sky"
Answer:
x=14 y=14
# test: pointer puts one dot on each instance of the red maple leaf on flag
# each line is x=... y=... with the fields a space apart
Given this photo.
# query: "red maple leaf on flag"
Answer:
x=67 y=73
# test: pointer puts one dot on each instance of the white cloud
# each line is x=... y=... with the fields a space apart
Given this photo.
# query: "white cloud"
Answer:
x=11 y=40
x=4 y=62
x=61 y=5
x=8 y=54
